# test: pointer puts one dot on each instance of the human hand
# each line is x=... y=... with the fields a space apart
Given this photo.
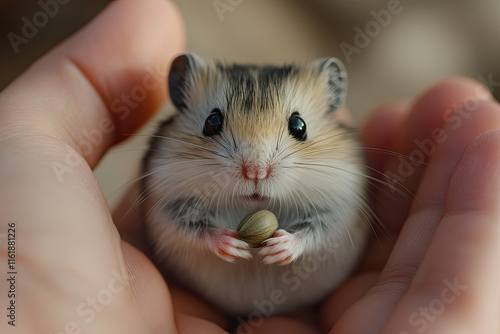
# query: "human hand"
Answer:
x=74 y=275
x=433 y=266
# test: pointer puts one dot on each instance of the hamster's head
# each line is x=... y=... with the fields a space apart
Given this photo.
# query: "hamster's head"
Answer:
x=256 y=136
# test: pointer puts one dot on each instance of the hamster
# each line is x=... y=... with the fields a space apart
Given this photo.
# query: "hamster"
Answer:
x=247 y=138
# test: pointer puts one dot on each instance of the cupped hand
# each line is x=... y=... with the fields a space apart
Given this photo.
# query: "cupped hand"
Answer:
x=73 y=273
x=432 y=266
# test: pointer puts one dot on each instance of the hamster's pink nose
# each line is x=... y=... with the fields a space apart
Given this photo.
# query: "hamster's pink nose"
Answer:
x=254 y=172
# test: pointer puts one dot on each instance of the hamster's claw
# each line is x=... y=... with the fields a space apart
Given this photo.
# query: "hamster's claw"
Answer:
x=226 y=246
x=283 y=248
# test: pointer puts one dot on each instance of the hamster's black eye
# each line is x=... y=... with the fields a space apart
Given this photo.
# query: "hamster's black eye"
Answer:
x=213 y=123
x=297 y=127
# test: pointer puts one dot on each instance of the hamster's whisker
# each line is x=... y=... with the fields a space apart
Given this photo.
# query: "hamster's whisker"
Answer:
x=183 y=154
x=374 y=184
x=405 y=192
x=220 y=196
x=312 y=144
x=235 y=187
x=280 y=137
x=165 y=168
x=145 y=197
x=150 y=190
x=235 y=145
x=228 y=190
x=189 y=155
x=142 y=150
x=199 y=199
x=364 y=208
x=189 y=143
x=222 y=144
x=306 y=195
x=134 y=180
x=374 y=179
x=372 y=149
x=162 y=182
x=331 y=201
x=295 y=198
x=142 y=196
x=137 y=201
x=370 y=215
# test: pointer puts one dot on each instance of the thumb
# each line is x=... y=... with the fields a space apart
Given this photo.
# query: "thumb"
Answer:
x=102 y=83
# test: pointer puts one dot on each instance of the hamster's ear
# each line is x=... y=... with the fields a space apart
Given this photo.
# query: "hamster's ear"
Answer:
x=180 y=78
x=336 y=75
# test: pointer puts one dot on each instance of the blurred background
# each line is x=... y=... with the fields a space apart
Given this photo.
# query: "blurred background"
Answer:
x=392 y=49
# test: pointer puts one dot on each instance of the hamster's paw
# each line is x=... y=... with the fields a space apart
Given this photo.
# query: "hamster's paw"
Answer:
x=224 y=244
x=282 y=248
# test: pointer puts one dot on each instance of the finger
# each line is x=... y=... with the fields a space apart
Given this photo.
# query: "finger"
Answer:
x=69 y=240
x=408 y=251
x=343 y=116
x=156 y=303
x=417 y=140
x=278 y=324
x=380 y=133
x=456 y=287
x=100 y=85
x=380 y=130
x=149 y=291
x=431 y=195
x=126 y=215
x=188 y=304
x=344 y=297
x=428 y=208
x=188 y=324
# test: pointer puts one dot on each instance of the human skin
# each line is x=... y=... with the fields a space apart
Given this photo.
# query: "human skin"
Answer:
x=444 y=226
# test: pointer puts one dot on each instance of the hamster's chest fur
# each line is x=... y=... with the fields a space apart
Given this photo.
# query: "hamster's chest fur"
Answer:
x=248 y=138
